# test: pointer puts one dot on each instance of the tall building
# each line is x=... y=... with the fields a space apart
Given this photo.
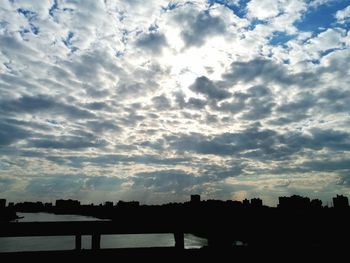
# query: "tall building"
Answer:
x=246 y=203
x=2 y=203
x=340 y=201
x=294 y=202
x=67 y=204
x=195 y=198
x=316 y=203
x=256 y=202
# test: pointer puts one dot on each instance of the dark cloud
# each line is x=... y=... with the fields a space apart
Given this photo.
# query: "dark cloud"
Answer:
x=194 y=103
x=339 y=166
x=259 y=103
x=327 y=165
x=259 y=143
x=198 y=27
x=100 y=126
x=334 y=100
x=89 y=68
x=301 y=104
x=156 y=145
x=98 y=105
x=161 y=102
x=180 y=99
x=268 y=71
x=42 y=103
x=10 y=133
x=12 y=45
x=318 y=139
x=132 y=118
x=280 y=121
x=209 y=89
x=165 y=181
x=111 y=159
x=219 y=172
x=191 y=103
x=55 y=186
x=255 y=104
x=152 y=42
x=225 y=143
x=235 y=105
x=259 y=109
x=211 y=118
x=332 y=139
x=67 y=142
x=131 y=88
x=104 y=183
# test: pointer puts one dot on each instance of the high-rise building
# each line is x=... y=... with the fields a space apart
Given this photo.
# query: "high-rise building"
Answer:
x=195 y=198
x=2 y=203
x=340 y=201
x=256 y=202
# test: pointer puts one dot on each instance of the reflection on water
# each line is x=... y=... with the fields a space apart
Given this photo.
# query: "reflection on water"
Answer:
x=11 y=244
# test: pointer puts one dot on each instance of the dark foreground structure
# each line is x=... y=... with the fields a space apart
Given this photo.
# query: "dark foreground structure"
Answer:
x=296 y=230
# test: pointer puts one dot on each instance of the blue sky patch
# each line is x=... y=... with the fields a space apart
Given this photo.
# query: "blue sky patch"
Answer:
x=328 y=51
x=254 y=22
x=280 y=38
x=53 y=8
x=30 y=15
x=170 y=6
x=34 y=29
x=317 y=19
x=68 y=42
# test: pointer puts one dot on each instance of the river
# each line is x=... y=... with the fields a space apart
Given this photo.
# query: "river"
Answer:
x=13 y=244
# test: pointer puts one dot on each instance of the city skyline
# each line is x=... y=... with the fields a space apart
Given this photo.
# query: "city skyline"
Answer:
x=122 y=100
x=337 y=201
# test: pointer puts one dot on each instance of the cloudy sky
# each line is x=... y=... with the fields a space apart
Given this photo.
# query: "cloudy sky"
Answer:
x=156 y=100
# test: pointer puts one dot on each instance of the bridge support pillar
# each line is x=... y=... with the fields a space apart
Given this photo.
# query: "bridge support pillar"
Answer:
x=179 y=240
x=77 y=242
x=95 y=241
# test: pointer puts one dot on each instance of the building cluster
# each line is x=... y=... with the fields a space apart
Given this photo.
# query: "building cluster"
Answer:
x=299 y=202
x=290 y=202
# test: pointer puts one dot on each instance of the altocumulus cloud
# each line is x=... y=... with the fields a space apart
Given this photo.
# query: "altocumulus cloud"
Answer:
x=121 y=100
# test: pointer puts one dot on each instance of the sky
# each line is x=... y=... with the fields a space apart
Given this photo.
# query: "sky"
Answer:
x=128 y=100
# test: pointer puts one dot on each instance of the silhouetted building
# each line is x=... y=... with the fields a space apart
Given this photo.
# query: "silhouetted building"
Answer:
x=67 y=204
x=2 y=203
x=48 y=205
x=340 y=201
x=195 y=198
x=246 y=202
x=108 y=204
x=130 y=204
x=256 y=202
x=294 y=202
x=234 y=203
x=316 y=203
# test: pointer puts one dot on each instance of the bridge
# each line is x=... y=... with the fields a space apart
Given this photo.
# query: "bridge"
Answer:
x=91 y=228
x=316 y=234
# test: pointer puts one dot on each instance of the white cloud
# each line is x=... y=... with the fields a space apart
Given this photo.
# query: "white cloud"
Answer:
x=264 y=9
x=343 y=16
x=123 y=88
x=329 y=39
